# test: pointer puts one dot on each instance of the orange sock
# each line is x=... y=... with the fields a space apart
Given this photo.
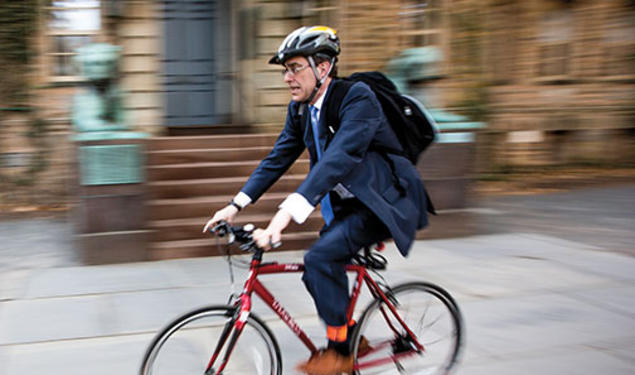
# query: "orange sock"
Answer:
x=337 y=334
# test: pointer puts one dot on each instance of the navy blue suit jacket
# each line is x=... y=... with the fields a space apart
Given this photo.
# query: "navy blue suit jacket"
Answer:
x=348 y=160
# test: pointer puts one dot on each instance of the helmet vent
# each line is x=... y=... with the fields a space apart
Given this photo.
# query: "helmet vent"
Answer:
x=307 y=41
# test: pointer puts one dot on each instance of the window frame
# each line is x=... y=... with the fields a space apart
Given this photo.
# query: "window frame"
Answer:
x=565 y=36
x=619 y=20
x=543 y=62
x=323 y=12
x=614 y=59
x=409 y=31
x=48 y=49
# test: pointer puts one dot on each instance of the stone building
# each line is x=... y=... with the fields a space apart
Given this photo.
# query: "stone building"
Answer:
x=553 y=79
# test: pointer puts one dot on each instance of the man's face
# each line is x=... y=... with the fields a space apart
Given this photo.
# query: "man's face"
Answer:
x=300 y=78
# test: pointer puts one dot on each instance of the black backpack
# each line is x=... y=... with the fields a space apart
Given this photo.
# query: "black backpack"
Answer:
x=407 y=117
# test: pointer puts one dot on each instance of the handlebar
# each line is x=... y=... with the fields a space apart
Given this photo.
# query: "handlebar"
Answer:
x=243 y=235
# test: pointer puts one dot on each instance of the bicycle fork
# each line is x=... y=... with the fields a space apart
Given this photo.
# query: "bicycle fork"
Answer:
x=233 y=327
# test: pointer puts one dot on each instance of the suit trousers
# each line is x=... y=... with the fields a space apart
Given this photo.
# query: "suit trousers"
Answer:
x=353 y=228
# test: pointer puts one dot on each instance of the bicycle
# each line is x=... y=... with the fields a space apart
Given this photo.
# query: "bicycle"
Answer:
x=412 y=328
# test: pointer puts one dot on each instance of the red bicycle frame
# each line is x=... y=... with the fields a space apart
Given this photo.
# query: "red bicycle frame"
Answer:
x=252 y=284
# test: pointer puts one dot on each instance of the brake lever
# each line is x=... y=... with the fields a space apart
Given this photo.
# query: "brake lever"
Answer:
x=220 y=229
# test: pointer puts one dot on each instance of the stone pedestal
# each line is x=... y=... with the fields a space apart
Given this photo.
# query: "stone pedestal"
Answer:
x=110 y=213
x=446 y=169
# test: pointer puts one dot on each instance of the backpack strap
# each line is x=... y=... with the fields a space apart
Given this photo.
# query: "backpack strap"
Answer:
x=332 y=104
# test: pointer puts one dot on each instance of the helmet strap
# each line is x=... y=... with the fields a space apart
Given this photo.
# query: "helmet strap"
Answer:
x=319 y=81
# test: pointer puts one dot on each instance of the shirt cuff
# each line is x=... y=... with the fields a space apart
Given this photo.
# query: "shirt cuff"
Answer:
x=298 y=207
x=242 y=199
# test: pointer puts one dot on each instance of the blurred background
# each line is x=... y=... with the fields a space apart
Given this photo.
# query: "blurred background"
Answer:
x=125 y=123
x=538 y=94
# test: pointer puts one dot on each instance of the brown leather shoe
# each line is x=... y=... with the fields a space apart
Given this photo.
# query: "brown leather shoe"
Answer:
x=364 y=347
x=327 y=362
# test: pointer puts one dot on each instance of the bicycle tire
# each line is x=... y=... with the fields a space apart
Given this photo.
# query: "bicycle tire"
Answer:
x=437 y=324
x=185 y=345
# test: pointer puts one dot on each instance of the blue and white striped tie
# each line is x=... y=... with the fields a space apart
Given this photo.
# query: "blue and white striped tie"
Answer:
x=325 y=204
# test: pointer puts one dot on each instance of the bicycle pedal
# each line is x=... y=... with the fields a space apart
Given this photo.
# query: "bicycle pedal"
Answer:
x=402 y=345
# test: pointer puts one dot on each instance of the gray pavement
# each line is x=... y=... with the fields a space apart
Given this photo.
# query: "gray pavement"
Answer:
x=604 y=217
x=533 y=302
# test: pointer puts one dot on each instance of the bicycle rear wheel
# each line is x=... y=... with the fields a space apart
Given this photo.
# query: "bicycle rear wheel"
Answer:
x=186 y=346
x=433 y=317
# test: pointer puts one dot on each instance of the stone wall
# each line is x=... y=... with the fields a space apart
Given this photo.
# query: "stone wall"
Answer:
x=35 y=166
x=583 y=112
x=38 y=168
x=495 y=53
x=139 y=33
x=275 y=20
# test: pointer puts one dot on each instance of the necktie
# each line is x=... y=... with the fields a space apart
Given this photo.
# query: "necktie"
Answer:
x=325 y=204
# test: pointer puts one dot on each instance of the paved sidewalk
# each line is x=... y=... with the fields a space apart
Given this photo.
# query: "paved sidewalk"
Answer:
x=533 y=304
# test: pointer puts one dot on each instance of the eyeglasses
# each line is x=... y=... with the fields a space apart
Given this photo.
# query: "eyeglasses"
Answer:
x=293 y=70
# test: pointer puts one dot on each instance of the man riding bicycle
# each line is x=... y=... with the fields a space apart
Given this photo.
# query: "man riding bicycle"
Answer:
x=361 y=200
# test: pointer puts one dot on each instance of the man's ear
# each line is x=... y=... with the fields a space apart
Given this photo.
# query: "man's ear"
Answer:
x=325 y=68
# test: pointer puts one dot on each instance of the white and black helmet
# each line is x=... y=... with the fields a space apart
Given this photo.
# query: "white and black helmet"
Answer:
x=308 y=41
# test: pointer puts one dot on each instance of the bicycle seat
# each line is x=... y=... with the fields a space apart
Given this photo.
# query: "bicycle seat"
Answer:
x=370 y=259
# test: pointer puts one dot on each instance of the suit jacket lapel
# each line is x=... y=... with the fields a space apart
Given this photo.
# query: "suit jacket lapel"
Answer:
x=307 y=129
x=322 y=136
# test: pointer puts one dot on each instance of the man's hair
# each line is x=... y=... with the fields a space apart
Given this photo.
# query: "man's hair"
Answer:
x=320 y=58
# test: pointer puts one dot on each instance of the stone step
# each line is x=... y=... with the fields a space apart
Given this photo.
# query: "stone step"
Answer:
x=214 y=170
x=215 y=186
x=200 y=155
x=191 y=228
x=212 y=141
x=190 y=177
x=162 y=209
x=208 y=246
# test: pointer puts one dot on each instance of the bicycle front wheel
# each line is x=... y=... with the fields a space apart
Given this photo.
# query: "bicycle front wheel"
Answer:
x=189 y=343
x=381 y=345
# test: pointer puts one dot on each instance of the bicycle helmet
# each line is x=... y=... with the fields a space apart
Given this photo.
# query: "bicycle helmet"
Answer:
x=308 y=41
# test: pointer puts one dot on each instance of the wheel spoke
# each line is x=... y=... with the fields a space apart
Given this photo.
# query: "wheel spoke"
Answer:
x=186 y=345
x=423 y=315
x=431 y=316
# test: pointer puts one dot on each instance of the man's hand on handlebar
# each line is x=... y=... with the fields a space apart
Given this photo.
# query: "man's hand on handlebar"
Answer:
x=269 y=238
x=226 y=214
x=243 y=235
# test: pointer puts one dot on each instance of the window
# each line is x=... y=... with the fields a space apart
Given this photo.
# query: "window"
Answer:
x=420 y=23
x=554 y=60
x=555 y=35
x=502 y=42
x=619 y=45
x=323 y=12
x=70 y=25
x=620 y=60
